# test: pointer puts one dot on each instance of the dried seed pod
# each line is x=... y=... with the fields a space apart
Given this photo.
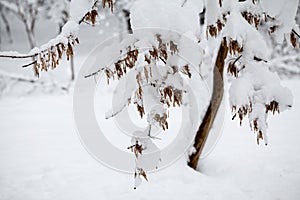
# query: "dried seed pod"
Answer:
x=234 y=47
x=220 y=25
x=137 y=149
x=36 y=69
x=272 y=29
x=154 y=53
x=186 y=70
x=141 y=110
x=272 y=107
x=232 y=69
x=69 y=51
x=212 y=30
x=293 y=40
x=147 y=59
x=109 y=4
x=173 y=48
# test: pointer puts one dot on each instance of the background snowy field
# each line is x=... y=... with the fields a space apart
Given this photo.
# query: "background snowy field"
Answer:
x=41 y=156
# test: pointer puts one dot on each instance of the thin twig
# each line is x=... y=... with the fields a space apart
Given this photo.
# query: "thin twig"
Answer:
x=20 y=56
x=162 y=60
x=32 y=63
x=236 y=59
x=94 y=73
x=184 y=2
x=295 y=33
x=116 y=113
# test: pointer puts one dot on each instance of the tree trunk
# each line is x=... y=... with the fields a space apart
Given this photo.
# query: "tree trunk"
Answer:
x=216 y=99
x=30 y=36
x=7 y=27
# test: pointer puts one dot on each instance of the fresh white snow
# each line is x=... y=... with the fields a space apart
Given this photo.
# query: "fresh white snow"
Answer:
x=41 y=158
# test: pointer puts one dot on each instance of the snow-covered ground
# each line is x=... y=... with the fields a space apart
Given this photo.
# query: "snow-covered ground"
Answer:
x=41 y=158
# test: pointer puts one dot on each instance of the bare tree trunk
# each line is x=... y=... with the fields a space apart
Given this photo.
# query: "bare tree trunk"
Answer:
x=7 y=27
x=30 y=35
x=215 y=102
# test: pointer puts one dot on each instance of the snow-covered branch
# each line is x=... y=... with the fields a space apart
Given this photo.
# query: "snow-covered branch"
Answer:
x=48 y=55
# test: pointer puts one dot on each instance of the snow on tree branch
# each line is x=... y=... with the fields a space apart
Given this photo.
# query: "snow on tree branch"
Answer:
x=256 y=90
x=49 y=55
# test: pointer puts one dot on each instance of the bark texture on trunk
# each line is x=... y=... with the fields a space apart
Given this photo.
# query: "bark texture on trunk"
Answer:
x=215 y=102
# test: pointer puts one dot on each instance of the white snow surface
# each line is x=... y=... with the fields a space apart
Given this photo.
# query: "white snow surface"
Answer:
x=41 y=158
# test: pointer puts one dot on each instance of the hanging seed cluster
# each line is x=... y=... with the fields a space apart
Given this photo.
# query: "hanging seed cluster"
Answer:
x=169 y=95
x=214 y=30
x=234 y=47
x=140 y=172
x=293 y=40
x=49 y=59
x=273 y=107
x=259 y=133
x=91 y=16
x=109 y=4
x=252 y=19
x=233 y=69
x=243 y=112
x=137 y=149
x=161 y=120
